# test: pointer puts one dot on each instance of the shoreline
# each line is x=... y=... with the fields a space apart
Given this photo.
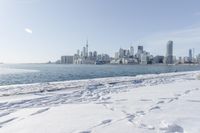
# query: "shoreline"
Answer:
x=162 y=64
x=19 y=89
x=145 y=103
x=38 y=83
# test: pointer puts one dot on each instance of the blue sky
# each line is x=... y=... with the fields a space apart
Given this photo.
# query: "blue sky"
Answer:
x=42 y=30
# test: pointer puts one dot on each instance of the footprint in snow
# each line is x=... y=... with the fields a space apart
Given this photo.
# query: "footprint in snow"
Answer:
x=106 y=121
x=154 y=108
x=130 y=117
x=178 y=95
x=104 y=102
x=186 y=92
x=165 y=98
x=140 y=113
x=40 y=111
x=160 y=102
x=85 y=132
x=7 y=121
x=4 y=114
x=105 y=98
x=145 y=100
x=195 y=101
x=108 y=107
x=121 y=100
x=173 y=128
x=172 y=99
x=144 y=126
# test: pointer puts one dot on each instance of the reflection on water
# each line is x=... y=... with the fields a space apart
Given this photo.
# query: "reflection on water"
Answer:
x=39 y=73
x=7 y=71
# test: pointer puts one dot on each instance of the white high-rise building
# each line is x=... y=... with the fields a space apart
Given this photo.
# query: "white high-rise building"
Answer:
x=144 y=58
x=131 y=51
x=169 y=53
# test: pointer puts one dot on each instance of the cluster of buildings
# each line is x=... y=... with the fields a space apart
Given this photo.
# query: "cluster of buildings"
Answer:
x=86 y=57
x=129 y=56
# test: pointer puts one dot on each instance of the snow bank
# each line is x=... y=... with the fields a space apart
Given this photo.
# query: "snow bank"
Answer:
x=140 y=80
x=164 y=103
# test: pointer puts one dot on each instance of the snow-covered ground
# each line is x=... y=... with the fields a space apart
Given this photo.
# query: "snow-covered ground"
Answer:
x=163 y=103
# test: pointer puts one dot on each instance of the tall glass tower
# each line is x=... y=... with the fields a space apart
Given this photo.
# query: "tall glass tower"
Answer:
x=190 y=55
x=86 y=54
x=169 y=53
x=140 y=49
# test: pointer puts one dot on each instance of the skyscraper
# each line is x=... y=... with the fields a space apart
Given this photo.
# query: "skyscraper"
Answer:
x=95 y=54
x=190 y=55
x=84 y=51
x=90 y=54
x=67 y=59
x=121 y=53
x=169 y=53
x=86 y=54
x=140 y=49
x=78 y=52
x=131 y=51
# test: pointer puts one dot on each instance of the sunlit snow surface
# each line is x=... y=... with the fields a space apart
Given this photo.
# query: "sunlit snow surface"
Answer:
x=164 y=103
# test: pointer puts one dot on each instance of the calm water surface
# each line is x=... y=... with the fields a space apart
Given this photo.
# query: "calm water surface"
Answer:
x=39 y=73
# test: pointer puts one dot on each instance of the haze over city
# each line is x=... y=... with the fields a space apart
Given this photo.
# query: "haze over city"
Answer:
x=34 y=31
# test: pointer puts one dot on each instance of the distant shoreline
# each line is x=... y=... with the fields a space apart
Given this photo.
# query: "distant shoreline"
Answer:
x=105 y=64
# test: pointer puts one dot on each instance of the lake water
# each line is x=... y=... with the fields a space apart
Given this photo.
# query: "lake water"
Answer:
x=40 y=73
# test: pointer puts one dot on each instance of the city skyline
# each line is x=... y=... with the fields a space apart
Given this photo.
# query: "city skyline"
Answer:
x=35 y=31
x=128 y=56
